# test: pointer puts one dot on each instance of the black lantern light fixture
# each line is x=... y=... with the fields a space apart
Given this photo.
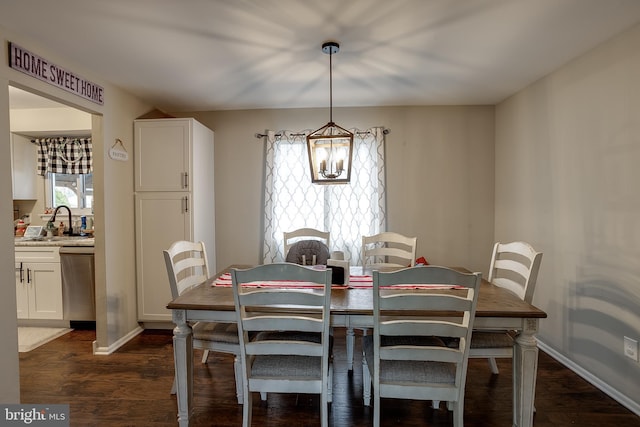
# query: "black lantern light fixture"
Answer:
x=330 y=148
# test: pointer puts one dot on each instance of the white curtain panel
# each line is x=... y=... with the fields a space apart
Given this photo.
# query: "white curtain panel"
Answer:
x=347 y=211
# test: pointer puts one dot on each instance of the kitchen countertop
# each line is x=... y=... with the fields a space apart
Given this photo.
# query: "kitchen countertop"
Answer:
x=56 y=241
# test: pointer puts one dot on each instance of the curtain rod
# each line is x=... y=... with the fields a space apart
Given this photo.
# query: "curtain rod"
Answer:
x=263 y=135
x=58 y=137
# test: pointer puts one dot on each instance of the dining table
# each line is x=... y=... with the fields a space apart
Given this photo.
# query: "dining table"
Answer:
x=352 y=307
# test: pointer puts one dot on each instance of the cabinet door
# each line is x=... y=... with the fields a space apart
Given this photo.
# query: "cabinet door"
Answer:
x=161 y=219
x=162 y=154
x=22 y=296
x=23 y=166
x=44 y=288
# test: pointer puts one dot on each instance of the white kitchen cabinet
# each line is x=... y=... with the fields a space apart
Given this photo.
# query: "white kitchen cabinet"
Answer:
x=23 y=168
x=38 y=283
x=174 y=200
x=163 y=154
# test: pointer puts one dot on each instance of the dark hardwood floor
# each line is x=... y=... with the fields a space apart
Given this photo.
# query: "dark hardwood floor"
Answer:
x=131 y=388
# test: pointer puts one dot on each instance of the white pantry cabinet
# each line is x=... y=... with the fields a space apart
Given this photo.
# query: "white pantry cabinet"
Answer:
x=23 y=168
x=174 y=200
x=38 y=283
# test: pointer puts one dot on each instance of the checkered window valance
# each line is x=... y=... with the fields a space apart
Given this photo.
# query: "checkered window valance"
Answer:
x=64 y=155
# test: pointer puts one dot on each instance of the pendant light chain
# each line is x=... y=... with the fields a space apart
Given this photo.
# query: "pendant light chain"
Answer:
x=330 y=86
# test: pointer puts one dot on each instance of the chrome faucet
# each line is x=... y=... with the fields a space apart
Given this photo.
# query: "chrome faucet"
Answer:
x=53 y=218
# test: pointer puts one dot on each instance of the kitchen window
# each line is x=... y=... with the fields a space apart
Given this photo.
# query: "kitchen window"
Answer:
x=67 y=165
x=73 y=190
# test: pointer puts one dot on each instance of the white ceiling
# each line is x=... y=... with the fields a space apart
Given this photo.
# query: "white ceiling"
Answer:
x=195 y=55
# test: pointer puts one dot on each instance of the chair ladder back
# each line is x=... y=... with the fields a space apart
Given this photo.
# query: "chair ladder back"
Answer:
x=290 y=237
x=514 y=266
x=186 y=264
x=387 y=246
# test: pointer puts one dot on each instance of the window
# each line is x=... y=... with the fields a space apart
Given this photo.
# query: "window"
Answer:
x=67 y=165
x=347 y=211
x=73 y=190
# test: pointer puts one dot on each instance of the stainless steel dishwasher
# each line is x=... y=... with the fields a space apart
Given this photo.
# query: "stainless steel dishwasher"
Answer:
x=78 y=283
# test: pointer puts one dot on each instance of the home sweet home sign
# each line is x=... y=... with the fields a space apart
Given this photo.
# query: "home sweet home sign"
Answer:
x=29 y=63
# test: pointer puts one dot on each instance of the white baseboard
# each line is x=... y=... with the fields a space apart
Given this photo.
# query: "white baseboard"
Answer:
x=105 y=351
x=158 y=325
x=619 y=397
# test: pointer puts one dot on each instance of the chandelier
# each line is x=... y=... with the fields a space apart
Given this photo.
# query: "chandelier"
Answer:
x=330 y=148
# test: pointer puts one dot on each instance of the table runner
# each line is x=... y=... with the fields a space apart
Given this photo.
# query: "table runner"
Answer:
x=355 y=281
x=225 y=281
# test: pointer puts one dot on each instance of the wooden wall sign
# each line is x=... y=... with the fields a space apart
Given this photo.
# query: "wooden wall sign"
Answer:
x=22 y=60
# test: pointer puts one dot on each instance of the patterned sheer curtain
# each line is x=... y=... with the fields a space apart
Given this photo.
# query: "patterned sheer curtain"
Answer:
x=347 y=211
x=64 y=155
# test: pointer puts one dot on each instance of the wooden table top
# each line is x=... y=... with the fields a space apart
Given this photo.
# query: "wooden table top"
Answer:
x=493 y=301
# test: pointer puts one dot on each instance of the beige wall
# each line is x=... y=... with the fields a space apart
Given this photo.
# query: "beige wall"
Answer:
x=567 y=154
x=116 y=276
x=115 y=248
x=439 y=176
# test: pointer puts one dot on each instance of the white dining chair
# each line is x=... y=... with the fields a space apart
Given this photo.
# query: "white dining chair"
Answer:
x=406 y=357
x=382 y=250
x=187 y=267
x=291 y=237
x=388 y=249
x=290 y=352
x=514 y=266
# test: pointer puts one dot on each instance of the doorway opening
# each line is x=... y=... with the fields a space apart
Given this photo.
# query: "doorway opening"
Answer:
x=35 y=116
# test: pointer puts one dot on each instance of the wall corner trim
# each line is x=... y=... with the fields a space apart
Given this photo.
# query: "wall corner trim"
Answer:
x=105 y=351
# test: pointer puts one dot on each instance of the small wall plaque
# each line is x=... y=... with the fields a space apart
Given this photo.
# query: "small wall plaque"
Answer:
x=118 y=152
